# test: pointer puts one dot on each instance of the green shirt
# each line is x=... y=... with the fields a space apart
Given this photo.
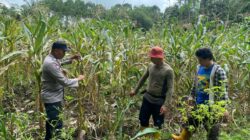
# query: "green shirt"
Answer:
x=160 y=84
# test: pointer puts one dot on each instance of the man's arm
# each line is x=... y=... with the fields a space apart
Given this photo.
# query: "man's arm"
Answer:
x=142 y=81
x=66 y=61
x=55 y=72
x=70 y=60
x=221 y=82
x=169 y=87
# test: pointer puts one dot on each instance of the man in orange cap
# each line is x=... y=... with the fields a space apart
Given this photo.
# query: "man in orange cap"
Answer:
x=157 y=97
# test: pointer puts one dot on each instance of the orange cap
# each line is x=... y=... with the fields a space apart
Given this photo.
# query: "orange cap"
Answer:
x=156 y=52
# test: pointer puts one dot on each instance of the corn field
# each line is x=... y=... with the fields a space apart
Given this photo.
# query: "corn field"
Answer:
x=114 y=56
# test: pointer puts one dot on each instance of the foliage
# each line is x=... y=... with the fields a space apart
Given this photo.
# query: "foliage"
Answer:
x=114 y=57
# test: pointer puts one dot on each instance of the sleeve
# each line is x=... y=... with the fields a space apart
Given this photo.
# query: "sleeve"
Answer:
x=142 y=81
x=169 y=87
x=55 y=72
x=66 y=61
x=221 y=82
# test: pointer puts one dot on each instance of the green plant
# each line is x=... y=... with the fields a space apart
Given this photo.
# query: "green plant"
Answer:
x=114 y=56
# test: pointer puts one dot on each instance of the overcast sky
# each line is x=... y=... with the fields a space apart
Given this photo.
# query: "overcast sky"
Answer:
x=162 y=4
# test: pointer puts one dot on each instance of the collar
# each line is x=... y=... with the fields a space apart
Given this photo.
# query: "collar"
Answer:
x=53 y=58
x=160 y=66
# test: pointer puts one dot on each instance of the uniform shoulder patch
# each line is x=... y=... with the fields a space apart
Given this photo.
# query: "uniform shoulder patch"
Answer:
x=57 y=66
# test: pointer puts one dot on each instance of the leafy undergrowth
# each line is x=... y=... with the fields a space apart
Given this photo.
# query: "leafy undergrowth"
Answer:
x=114 y=56
x=21 y=124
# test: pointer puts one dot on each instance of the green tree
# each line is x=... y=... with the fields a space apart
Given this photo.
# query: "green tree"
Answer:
x=141 y=19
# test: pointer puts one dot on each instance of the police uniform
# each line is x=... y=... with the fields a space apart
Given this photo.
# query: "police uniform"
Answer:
x=53 y=83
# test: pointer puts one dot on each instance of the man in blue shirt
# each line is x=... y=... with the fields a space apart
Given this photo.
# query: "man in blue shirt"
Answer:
x=209 y=75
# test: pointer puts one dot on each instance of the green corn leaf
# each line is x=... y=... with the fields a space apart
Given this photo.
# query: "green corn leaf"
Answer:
x=13 y=54
x=40 y=36
x=146 y=131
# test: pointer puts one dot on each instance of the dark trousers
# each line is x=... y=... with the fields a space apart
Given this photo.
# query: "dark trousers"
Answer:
x=148 y=109
x=213 y=128
x=54 y=122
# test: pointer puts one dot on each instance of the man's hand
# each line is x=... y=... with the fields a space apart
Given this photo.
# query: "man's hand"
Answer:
x=132 y=93
x=75 y=57
x=80 y=77
x=65 y=72
x=163 y=110
x=226 y=116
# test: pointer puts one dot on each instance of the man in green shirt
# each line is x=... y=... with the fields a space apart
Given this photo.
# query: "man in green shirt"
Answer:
x=157 y=98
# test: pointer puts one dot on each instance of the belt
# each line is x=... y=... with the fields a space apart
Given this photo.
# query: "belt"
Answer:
x=163 y=97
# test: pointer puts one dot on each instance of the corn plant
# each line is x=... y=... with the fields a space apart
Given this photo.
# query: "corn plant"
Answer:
x=114 y=56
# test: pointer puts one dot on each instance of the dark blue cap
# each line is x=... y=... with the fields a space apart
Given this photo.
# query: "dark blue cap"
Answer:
x=60 y=45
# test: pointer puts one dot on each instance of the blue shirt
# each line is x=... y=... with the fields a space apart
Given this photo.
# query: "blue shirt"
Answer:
x=203 y=76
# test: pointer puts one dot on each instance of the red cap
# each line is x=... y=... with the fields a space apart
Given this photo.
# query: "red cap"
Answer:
x=156 y=52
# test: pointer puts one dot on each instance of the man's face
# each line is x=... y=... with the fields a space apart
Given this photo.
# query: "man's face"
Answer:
x=156 y=61
x=59 y=53
x=204 y=62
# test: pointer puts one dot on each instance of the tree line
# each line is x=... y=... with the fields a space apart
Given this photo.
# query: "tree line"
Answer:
x=184 y=11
